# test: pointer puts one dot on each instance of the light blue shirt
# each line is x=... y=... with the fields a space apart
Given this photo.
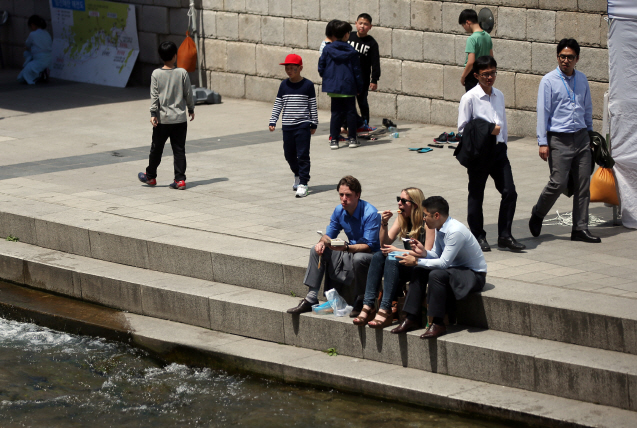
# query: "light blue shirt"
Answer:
x=455 y=246
x=361 y=227
x=560 y=109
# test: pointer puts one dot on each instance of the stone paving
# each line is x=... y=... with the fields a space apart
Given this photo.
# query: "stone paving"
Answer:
x=82 y=146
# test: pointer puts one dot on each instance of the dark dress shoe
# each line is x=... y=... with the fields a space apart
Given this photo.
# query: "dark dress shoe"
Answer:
x=357 y=307
x=535 y=225
x=510 y=243
x=585 y=236
x=484 y=245
x=434 y=330
x=405 y=326
x=304 y=306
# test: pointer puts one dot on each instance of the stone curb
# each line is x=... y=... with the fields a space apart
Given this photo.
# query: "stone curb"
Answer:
x=565 y=370
x=198 y=346
x=586 y=319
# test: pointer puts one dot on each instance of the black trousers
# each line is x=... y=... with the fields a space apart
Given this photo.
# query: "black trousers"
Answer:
x=417 y=291
x=342 y=108
x=441 y=297
x=177 y=134
x=499 y=168
x=470 y=82
x=296 y=148
x=363 y=105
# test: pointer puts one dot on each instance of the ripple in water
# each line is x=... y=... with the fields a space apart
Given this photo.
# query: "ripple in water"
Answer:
x=51 y=379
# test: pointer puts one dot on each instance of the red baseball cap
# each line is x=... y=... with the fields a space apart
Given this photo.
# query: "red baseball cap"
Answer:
x=292 y=59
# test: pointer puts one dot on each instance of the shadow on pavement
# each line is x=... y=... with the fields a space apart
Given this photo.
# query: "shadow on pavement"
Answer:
x=59 y=95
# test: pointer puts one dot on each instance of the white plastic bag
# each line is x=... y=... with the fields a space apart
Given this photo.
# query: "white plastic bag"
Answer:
x=337 y=303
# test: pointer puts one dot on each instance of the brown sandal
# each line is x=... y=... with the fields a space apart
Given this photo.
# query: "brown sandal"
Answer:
x=365 y=316
x=389 y=319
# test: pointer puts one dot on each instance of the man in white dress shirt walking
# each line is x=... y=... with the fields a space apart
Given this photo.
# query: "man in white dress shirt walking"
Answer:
x=485 y=104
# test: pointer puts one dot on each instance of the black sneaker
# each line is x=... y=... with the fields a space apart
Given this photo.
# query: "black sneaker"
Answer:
x=353 y=143
x=443 y=138
x=387 y=123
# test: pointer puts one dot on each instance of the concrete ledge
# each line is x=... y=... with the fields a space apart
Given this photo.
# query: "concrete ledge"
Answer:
x=545 y=312
x=583 y=373
x=188 y=344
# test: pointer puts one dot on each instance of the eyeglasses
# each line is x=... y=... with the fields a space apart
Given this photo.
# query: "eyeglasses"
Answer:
x=403 y=200
x=568 y=57
x=487 y=75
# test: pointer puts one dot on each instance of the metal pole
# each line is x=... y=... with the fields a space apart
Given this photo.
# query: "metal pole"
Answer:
x=195 y=31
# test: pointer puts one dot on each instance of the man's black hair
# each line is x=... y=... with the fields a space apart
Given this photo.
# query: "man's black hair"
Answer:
x=468 y=15
x=568 y=43
x=167 y=50
x=436 y=204
x=366 y=16
x=329 y=28
x=351 y=182
x=37 y=20
x=341 y=28
x=484 y=62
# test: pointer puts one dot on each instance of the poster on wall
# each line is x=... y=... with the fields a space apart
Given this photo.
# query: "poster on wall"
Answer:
x=93 y=41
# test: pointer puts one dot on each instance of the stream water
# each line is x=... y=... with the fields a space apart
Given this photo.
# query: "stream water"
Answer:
x=54 y=379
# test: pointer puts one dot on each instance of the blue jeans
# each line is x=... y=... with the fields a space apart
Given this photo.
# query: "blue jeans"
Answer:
x=393 y=272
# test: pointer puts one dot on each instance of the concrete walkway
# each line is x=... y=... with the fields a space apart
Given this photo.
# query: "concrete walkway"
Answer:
x=81 y=146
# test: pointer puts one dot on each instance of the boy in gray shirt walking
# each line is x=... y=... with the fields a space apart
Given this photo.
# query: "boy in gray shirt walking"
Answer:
x=171 y=95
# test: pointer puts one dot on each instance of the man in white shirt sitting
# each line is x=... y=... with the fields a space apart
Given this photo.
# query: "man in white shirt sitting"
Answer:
x=487 y=103
x=453 y=268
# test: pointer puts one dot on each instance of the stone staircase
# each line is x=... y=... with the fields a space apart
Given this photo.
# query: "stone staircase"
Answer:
x=541 y=346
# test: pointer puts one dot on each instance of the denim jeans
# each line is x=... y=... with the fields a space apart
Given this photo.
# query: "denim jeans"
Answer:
x=393 y=272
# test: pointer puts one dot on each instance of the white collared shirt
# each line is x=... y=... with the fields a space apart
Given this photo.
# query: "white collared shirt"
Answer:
x=455 y=246
x=476 y=104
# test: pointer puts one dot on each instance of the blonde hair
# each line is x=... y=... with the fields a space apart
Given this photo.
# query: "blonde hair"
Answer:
x=417 y=222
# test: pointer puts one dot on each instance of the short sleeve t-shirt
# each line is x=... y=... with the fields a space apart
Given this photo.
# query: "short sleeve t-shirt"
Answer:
x=479 y=43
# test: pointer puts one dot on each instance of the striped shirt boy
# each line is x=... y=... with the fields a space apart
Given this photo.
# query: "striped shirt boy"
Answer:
x=297 y=101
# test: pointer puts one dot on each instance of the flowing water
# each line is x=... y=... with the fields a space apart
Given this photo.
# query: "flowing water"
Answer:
x=54 y=379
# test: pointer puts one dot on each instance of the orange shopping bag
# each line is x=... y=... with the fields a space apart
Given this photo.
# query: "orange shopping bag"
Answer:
x=187 y=55
x=603 y=187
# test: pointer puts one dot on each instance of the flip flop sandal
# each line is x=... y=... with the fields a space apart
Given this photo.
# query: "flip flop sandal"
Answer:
x=438 y=146
x=425 y=150
x=365 y=316
x=389 y=319
x=415 y=149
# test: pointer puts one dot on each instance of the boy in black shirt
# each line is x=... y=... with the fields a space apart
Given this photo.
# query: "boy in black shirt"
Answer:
x=367 y=48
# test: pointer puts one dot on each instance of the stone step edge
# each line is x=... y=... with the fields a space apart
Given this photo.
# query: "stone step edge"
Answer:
x=587 y=319
x=261 y=315
x=186 y=344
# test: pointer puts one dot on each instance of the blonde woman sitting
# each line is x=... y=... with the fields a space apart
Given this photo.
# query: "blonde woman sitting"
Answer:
x=408 y=225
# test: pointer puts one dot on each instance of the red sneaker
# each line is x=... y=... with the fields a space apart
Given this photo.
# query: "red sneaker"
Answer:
x=144 y=179
x=179 y=185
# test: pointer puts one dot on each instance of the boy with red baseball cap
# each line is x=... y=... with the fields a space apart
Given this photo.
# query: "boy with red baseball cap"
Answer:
x=297 y=99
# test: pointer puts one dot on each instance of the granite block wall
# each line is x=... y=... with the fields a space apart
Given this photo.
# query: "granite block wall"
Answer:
x=421 y=45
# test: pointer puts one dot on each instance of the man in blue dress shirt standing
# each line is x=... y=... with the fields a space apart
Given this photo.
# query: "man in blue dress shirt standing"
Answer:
x=564 y=118
x=345 y=264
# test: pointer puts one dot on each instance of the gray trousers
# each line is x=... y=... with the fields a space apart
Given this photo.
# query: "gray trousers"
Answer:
x=569 y=153
x=340 y=269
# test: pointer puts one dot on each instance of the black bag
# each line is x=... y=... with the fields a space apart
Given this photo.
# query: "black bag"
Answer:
x=600 y=154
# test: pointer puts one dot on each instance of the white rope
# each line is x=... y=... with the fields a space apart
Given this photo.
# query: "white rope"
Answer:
x=566 y=219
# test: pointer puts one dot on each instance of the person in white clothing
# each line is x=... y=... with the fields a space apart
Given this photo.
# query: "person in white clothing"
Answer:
x=487 y=103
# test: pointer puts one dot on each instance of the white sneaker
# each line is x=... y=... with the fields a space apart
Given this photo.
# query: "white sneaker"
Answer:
x=297 y=180
x=302 y=191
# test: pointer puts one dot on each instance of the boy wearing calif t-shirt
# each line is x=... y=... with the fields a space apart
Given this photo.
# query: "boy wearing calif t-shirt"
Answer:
x=367 y=48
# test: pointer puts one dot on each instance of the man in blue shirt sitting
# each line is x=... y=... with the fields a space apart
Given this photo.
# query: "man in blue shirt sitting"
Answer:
x=564 y=117
x=345 y=264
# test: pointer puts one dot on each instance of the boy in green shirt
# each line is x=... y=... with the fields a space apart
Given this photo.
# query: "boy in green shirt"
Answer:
x=478 y=44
